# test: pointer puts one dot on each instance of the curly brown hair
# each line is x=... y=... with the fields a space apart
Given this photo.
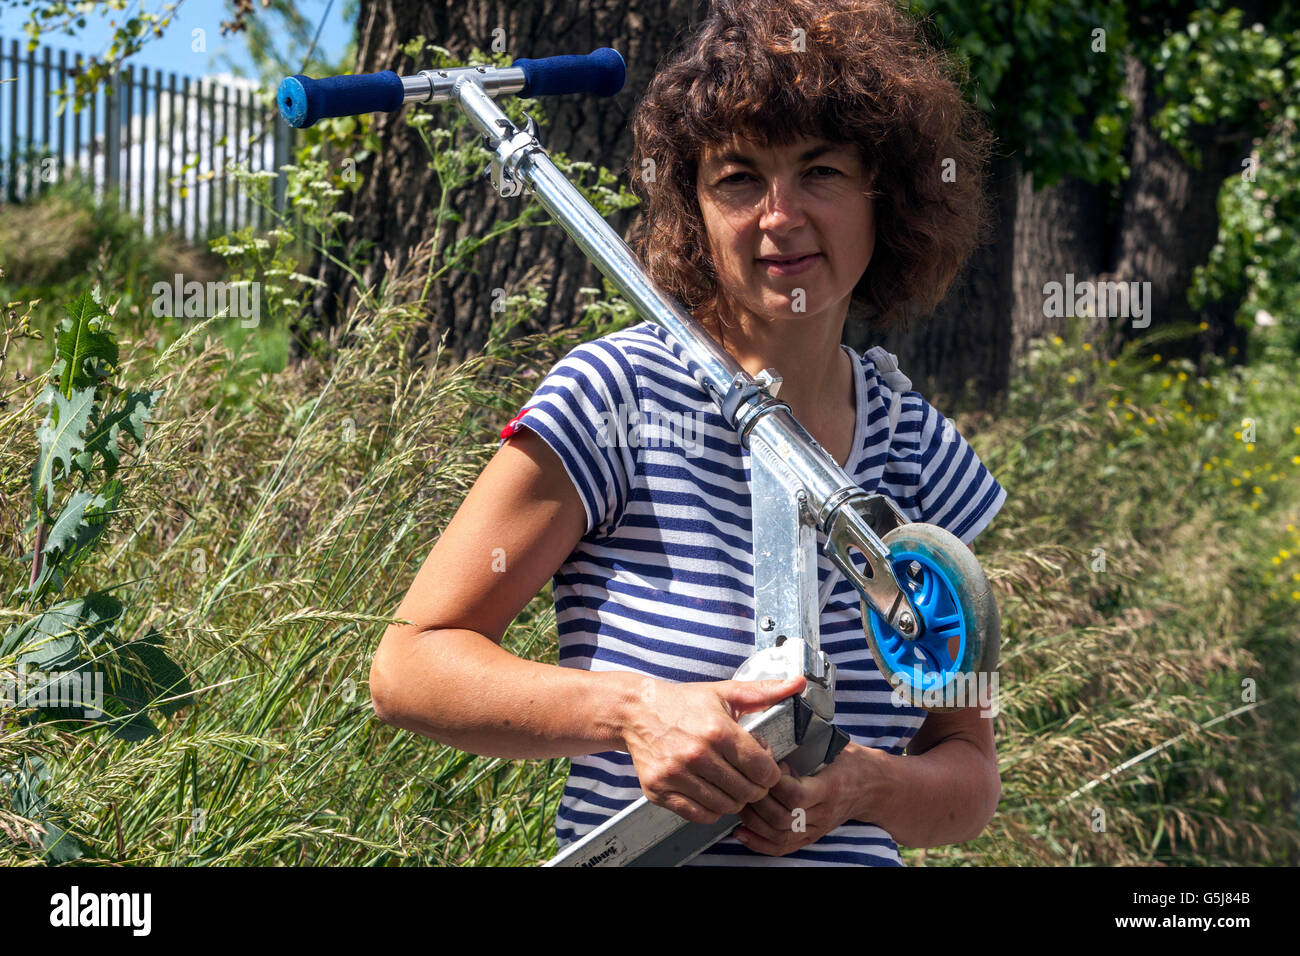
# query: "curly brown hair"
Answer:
x=865 y=75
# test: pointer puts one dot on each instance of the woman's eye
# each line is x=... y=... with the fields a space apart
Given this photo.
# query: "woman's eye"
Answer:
x=823 y=172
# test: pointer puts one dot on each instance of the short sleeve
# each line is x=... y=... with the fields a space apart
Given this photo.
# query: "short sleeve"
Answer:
x=950 y=486
x=577 y=410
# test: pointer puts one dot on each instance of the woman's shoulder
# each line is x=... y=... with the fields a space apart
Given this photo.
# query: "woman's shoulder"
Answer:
x=641 y=354
x=911 y=414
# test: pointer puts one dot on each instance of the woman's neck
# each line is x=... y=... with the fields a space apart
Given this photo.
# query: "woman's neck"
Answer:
x=804 y=350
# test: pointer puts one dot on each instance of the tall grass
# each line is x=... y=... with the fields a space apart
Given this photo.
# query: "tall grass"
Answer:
x=271 y=548
x=1147 y=565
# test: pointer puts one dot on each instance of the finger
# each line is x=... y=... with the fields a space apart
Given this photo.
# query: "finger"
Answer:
x=683 y=806
x=753 y=760
x=716 y=771
x=760 y=845
x=791 y=792
x=718 y=786
x=752 y=821
x=773 y=813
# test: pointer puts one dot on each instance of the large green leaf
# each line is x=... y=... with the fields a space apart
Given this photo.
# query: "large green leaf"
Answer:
x=104 y=435
x=61 y=437
x=64 y=633
x=73 y=534
x=86 y=351
x=24 y=788
x=167 y=677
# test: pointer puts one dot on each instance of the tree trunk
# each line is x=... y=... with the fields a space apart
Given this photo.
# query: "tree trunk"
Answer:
x=1060 y=230
x=394 y=208
x=960 y=355
x=1169 y=221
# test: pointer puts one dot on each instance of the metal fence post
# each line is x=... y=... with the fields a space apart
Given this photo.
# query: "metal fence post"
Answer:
x=113 y=135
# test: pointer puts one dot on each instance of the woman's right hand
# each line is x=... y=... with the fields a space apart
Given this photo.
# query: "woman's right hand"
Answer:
x=690 y=753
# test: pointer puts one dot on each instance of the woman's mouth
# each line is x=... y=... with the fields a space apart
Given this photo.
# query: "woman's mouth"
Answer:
x=790 y=267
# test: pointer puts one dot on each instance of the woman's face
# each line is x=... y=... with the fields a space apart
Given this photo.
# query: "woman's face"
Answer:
x=806 y=199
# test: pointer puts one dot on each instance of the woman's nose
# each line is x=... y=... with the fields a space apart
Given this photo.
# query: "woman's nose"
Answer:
x=782 y=205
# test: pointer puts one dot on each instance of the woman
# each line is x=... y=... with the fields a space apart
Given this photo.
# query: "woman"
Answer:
x=794 y=156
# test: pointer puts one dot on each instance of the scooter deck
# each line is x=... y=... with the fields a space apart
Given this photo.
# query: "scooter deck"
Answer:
x=646 y=834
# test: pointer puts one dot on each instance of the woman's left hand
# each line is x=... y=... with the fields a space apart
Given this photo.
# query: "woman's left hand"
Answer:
x=799 y=810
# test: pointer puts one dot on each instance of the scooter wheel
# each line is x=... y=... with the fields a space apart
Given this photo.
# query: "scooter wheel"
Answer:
x=961 y=630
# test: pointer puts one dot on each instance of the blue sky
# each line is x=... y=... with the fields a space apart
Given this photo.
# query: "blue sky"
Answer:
x=173 y=50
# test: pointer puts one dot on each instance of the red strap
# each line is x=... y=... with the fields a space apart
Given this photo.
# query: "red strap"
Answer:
x=514 y=424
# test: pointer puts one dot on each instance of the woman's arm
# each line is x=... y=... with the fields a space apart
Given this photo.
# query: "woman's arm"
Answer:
x=445 y=676
x=944 y=791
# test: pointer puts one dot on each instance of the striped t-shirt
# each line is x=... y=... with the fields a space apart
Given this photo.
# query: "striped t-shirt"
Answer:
x=661 y=584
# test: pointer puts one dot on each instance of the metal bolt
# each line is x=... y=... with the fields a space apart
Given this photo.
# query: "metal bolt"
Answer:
x=905 y=621
x=767 y=623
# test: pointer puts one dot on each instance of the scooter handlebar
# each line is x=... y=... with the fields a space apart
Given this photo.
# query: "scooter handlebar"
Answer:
x=302 y=101
x=601 y=72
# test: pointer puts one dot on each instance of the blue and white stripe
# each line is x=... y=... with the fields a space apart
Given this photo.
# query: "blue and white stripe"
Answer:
x=662 y=583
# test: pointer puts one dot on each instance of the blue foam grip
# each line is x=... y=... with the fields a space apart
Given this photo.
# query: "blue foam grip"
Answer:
x=601 y=72
x=303 y=101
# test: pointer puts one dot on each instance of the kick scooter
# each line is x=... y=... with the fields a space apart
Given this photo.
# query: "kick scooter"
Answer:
x=930 y=617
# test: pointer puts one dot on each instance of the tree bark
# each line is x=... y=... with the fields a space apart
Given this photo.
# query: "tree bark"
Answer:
x=960 y=355
x=1169 y=221
x=1060 y=230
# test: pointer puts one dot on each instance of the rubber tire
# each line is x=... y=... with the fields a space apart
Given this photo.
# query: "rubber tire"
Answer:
x=972 y=593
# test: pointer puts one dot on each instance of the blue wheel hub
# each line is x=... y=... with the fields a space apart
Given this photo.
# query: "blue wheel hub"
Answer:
x=928 y=662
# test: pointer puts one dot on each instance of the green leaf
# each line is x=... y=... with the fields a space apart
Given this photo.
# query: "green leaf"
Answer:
x=61 y=437
x=168 y=678
x=134 y=729
x=104 y=435
x=81 y=340
x=64 y=531
x=25 y=797
x=75 y=531
x=57 y=637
